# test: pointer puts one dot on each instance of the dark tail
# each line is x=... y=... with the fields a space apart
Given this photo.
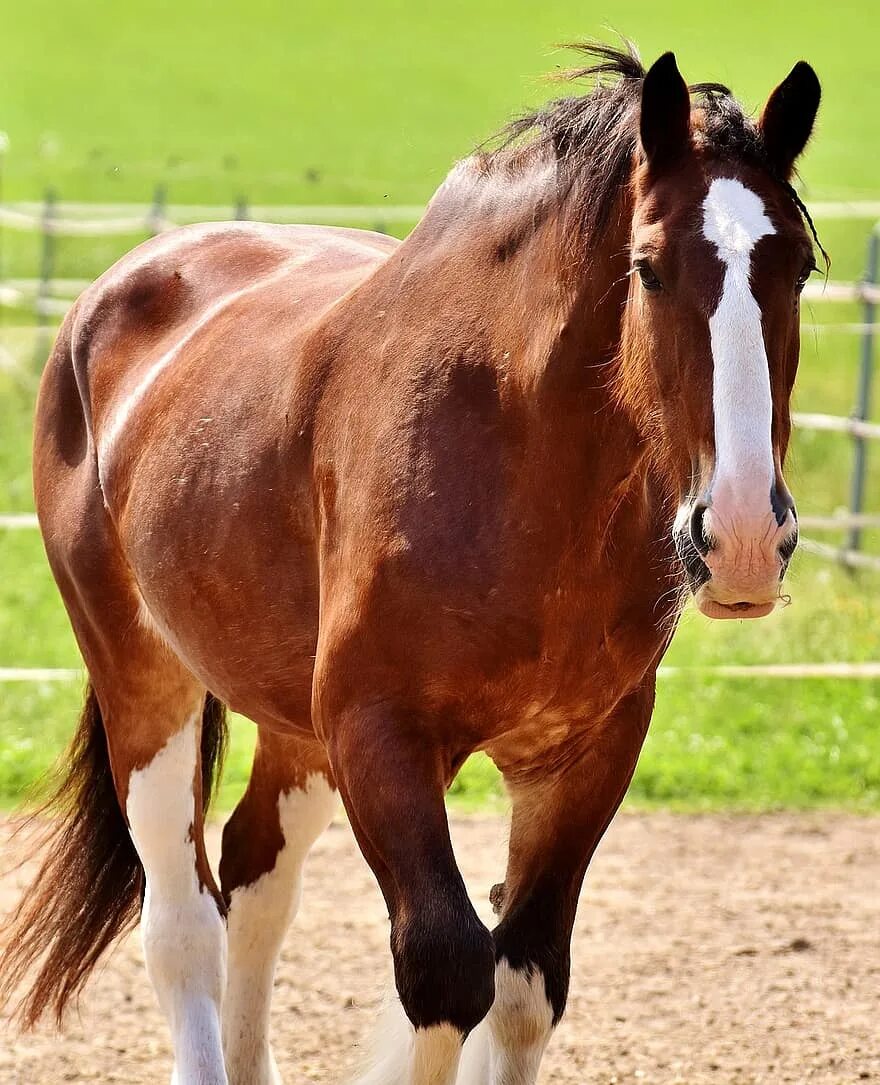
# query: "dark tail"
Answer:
x=90 y=885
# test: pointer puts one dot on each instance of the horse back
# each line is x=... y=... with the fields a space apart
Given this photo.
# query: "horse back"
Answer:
x=174 y=423
x=212 y=284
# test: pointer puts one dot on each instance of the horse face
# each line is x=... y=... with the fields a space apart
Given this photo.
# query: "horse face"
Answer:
x=719 y=258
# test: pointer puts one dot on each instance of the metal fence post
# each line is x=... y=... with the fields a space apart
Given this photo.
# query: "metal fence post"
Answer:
x=863 y=401
x=44 y=289
x=156 y=216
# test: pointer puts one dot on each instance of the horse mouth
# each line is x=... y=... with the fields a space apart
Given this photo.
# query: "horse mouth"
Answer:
x=743 y=609
x=714 y=599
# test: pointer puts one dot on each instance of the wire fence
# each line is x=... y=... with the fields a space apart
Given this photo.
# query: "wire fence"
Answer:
x=48 y=297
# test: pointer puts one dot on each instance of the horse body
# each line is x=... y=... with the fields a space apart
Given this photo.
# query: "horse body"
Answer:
x=398 y=503
x=199 y=417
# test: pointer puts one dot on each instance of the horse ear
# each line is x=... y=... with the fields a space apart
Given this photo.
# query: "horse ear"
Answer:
x=787 y=120
x=665 y=124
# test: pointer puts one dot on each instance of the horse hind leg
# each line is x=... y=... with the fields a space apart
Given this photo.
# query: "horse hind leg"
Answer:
x=134 y=776
x=288 y=803
x=163 y=736
x=182 y=923
x=132 y=815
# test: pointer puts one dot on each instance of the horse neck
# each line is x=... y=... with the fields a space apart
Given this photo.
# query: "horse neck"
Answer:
x=553 y=307
x=503 y=261
x=502 y=277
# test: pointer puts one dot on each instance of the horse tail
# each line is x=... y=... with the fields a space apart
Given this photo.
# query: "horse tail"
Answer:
x=90 y=885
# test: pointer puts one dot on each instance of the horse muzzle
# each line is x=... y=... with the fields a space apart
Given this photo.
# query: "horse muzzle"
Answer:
x=735 y=562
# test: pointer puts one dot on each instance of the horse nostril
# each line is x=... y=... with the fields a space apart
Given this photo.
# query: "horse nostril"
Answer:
x=787 y=549
x=782 y=504
x=697 y=528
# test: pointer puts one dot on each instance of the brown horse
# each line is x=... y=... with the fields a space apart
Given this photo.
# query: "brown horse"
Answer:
x=397 y=503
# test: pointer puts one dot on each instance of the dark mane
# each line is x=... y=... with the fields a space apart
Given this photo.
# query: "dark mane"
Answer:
x=594 y=137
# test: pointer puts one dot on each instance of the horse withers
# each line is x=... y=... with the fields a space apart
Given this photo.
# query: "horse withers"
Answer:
x=398 y=503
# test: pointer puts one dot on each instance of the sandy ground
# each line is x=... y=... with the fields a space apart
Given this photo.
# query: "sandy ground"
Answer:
x=707 y=949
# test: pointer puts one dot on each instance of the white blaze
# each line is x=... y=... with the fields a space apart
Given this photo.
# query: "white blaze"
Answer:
x=734 y=220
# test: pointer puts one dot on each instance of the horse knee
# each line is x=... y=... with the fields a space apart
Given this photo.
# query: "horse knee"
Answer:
x=444 y=969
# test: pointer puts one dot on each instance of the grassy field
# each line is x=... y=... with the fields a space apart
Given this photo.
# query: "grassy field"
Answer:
x=364 y=102
x=283 y=103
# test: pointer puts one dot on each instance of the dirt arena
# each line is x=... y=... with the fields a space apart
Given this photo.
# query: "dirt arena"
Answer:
x=707 y=949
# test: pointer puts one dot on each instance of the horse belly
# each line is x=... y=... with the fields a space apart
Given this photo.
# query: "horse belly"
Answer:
x=239 y=607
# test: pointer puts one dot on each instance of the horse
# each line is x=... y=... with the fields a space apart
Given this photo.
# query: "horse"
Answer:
x=397 y=503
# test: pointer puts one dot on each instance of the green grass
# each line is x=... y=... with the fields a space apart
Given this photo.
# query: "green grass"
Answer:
x=744 y=744
x=363 y=102
x=371 y=104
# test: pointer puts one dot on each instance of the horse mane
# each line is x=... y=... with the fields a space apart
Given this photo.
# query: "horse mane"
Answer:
x=594 y=137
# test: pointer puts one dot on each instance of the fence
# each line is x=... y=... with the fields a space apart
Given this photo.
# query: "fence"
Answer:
x=48 y=297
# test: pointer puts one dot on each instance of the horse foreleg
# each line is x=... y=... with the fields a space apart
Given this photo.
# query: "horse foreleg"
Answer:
x=391 y=780
x=288 y=803
x=559 y=816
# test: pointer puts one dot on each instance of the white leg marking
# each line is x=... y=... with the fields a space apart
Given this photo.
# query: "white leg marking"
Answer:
x=402 y=1055
x=507 y=1048
x=734 y=219
x=435 y=1056
x=183 y=935
x=259 y=915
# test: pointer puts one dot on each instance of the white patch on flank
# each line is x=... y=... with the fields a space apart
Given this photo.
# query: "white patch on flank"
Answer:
x=259 y=915
x=402 y=1055
x=507 y=1047
x=734 y=220
x=110 y=432
x=183 y=935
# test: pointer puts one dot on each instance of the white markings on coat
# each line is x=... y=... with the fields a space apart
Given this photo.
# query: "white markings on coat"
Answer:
x=402 y=1055
x=259 y=915
x=183 y=935
x=507 y=1047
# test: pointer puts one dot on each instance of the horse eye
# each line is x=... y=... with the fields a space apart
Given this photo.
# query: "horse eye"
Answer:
x=804 y=275
x=646 y=274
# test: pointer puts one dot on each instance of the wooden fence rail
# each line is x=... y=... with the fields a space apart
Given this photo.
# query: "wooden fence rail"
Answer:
x=49 y=298
x=855 y=427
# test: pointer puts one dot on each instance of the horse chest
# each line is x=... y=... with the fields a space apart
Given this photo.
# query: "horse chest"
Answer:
x=591 y=659
x=594 y=652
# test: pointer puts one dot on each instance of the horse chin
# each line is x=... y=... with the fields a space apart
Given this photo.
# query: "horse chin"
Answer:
x=743 y=608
